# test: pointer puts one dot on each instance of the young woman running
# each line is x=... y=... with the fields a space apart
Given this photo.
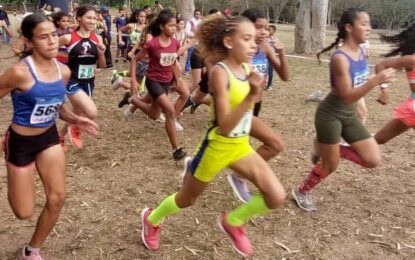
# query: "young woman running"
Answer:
x=404 y=113
x=85 y=49
x=263 y=58
x=336 y=115
x=162 y=51
x=62 y=21
x=37 y=88
x=235 y=89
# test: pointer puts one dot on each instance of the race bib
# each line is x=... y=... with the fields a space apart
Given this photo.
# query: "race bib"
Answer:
x=243 y=127
x=86 y=71
x=167 y=59
x=260 y=68
x=360 y=78
x=45 y=111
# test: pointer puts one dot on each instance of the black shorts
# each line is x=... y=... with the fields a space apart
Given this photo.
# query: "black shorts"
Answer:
x=21 y=150
x=156 y=89
x=196 y=62
x=203 y=84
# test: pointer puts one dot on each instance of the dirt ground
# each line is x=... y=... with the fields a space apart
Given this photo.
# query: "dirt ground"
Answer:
x=363 y=214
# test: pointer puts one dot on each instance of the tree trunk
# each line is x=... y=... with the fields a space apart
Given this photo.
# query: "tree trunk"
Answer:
x=310 y=28
x=186 y=8
x=303 y=27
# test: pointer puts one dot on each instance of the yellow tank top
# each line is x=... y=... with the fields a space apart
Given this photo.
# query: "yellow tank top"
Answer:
x=238 y=89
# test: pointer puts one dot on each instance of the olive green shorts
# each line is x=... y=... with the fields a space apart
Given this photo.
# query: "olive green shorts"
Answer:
x=334 y=120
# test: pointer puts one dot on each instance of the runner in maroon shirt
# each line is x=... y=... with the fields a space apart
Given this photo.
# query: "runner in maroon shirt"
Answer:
x=162 y=51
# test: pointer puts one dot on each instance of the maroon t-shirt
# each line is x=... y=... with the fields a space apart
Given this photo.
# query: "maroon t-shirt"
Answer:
x=161 y=60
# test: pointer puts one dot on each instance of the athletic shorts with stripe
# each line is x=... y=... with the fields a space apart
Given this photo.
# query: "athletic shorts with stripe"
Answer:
x=216 y=152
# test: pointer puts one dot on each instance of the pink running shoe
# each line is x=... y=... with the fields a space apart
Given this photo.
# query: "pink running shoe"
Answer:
x=240 y=242
x=31 y=256
x=75 y=136
x=149 y=233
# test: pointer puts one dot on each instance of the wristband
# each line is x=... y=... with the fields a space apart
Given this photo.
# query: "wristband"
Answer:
x=413 y=95
x=384 y=85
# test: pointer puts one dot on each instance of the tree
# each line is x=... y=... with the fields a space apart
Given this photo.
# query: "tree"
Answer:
x=186 y=8
x=310 y=29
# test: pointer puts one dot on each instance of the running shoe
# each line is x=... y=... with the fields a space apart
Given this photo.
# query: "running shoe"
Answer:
x=193 y=107
x=189 y=103
x=240 y=241
x=149 y=234
x=179 y=154
x=186 y=168
x=125 y=100
x=127 y=114
x=179 y=127
x=161 y=119
x=304 y=200
x=28 y=255
x=114 y=76
x=116 y=85
x=239 y=187
x=75 y=136
x=268 y=88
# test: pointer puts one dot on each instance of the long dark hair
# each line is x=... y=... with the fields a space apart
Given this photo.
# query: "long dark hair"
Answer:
x=403 y=42
x=348 y=17
x=82 y=10
x=162 y=19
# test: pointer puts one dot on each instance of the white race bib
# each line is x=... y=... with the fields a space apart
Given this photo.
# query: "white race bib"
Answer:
x=260 y=68
x=243 y=127
x=360 y=78
x=45 y=111
x=167 y=59
x=86 y=71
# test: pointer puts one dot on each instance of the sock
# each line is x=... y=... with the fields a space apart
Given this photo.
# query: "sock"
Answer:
x=28 y=249
x=315 y=176
x=166 y=208
x=143 y=85
x=348 y=153
x=255 y=206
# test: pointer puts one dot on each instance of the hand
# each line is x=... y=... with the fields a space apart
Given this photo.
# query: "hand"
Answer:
x=383 y=96
x=257 y=84
x=87 y=125
x=130 y=54
x=385 y=76
x=122 y=43
x=278 y=45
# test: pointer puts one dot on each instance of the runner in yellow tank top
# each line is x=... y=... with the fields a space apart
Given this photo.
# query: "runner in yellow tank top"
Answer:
x=234 y=89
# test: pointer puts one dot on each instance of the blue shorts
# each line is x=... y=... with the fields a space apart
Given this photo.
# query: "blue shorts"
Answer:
x=74 y=86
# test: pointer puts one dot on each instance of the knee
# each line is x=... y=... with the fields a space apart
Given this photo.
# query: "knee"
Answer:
x=56 y=200
x=275 y=145
x=373 y=162
x=24 y=213
x=91 y=112
x=169 y=113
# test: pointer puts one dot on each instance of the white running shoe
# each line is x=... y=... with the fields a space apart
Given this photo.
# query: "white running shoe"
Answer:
x=179 y=127
x=128 y=115
x=116 y=85
x=161 y=119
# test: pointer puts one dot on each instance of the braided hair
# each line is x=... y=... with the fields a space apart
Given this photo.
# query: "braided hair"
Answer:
x=348 y=17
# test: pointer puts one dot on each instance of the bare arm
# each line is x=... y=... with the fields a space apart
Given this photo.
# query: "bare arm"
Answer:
x=343 y=87
x=279 y=63
x=226 y=119
x=102 y=63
